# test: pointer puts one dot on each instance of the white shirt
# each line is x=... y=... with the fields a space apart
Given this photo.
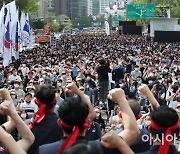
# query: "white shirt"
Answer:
x=172 y=103
x=31 y=108
x=24 y=70
x=15 y=78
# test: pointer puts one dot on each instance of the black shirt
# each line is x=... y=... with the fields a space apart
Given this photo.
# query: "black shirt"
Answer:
x=102 y=72
x=101 y=122
x=54 y=147
x=46 y=132
x=94 y=132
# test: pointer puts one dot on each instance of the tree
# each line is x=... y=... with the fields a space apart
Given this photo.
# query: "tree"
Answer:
x=55 y=26
x=82 y=22
x=58 y=23
x=23 y=5
x=37 y=24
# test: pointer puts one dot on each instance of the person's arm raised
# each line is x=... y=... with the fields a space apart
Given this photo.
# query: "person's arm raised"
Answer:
x=72 y=88
x=131 y=131
x=12 y=146
x=111 y=140
x=145 y=91
x=8 y=108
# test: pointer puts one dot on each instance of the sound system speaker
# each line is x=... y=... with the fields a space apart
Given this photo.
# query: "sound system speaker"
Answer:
x=132 y=30
x=127 y=23
x=167 y=36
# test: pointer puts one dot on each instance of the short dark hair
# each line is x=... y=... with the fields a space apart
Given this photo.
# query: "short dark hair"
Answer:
x=28 y=94
x=102 y=61
x=175 y=88
x=45 y=93
x=164 y=117
x=135 y=106
x=73 y=112
x=82 y=148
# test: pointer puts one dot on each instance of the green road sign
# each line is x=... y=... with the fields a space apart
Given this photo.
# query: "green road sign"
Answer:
x=116 y=20
x=140 y=11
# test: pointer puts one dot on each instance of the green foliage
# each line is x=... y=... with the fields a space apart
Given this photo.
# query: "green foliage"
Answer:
x=55 y=26
x=88 y=21
x=58 y=23
x=82 y=22
x=37 y=24
x=23 y=5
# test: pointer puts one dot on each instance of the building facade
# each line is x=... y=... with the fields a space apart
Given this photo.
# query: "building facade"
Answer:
x=72 y=8
x=43 y=8
x=61 y=7
x=103 y=5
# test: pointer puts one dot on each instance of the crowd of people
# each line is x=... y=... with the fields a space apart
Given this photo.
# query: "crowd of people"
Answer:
x=56 y=95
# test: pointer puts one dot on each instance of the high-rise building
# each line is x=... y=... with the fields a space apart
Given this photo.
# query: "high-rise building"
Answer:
x=61 y=7
x=43 y=8
x=50 y=5
x=96 y=7
x=89 y=7
x=93 y=7
x=73 y=8
x=78 y=8
x=103 y=5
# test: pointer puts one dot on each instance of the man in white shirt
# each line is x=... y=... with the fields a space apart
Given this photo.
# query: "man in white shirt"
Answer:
x=19 y=92
x=28 y=105
x=24 y=69
x=136 y=73
x=14 y=76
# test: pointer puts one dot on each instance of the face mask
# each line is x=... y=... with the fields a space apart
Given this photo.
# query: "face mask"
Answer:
x=165 y=71
x=160 y=81
x=16 y=86
x=150 y=82
x=13 y=96
x=121 y=85
x=88 y=78
x=97 y=114
x=23 y=115
x=136 y=69
x=139 y=81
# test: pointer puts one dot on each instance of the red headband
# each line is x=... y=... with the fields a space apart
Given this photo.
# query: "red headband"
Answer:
x=40 y=114
x=73 y=136
x=164 y=147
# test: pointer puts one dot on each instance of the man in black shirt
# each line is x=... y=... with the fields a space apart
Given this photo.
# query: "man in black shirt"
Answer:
x=102 y=71
x=44 y=123
x=74 y=115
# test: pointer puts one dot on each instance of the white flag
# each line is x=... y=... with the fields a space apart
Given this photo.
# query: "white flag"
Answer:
x=6 y=37
x=167 y=14
x=107 y=28
x=15 y=32
x=25 y=29
x=2 y=28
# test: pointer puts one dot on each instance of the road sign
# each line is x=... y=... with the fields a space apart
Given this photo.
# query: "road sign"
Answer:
x=116 y=21
x=140 y=11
